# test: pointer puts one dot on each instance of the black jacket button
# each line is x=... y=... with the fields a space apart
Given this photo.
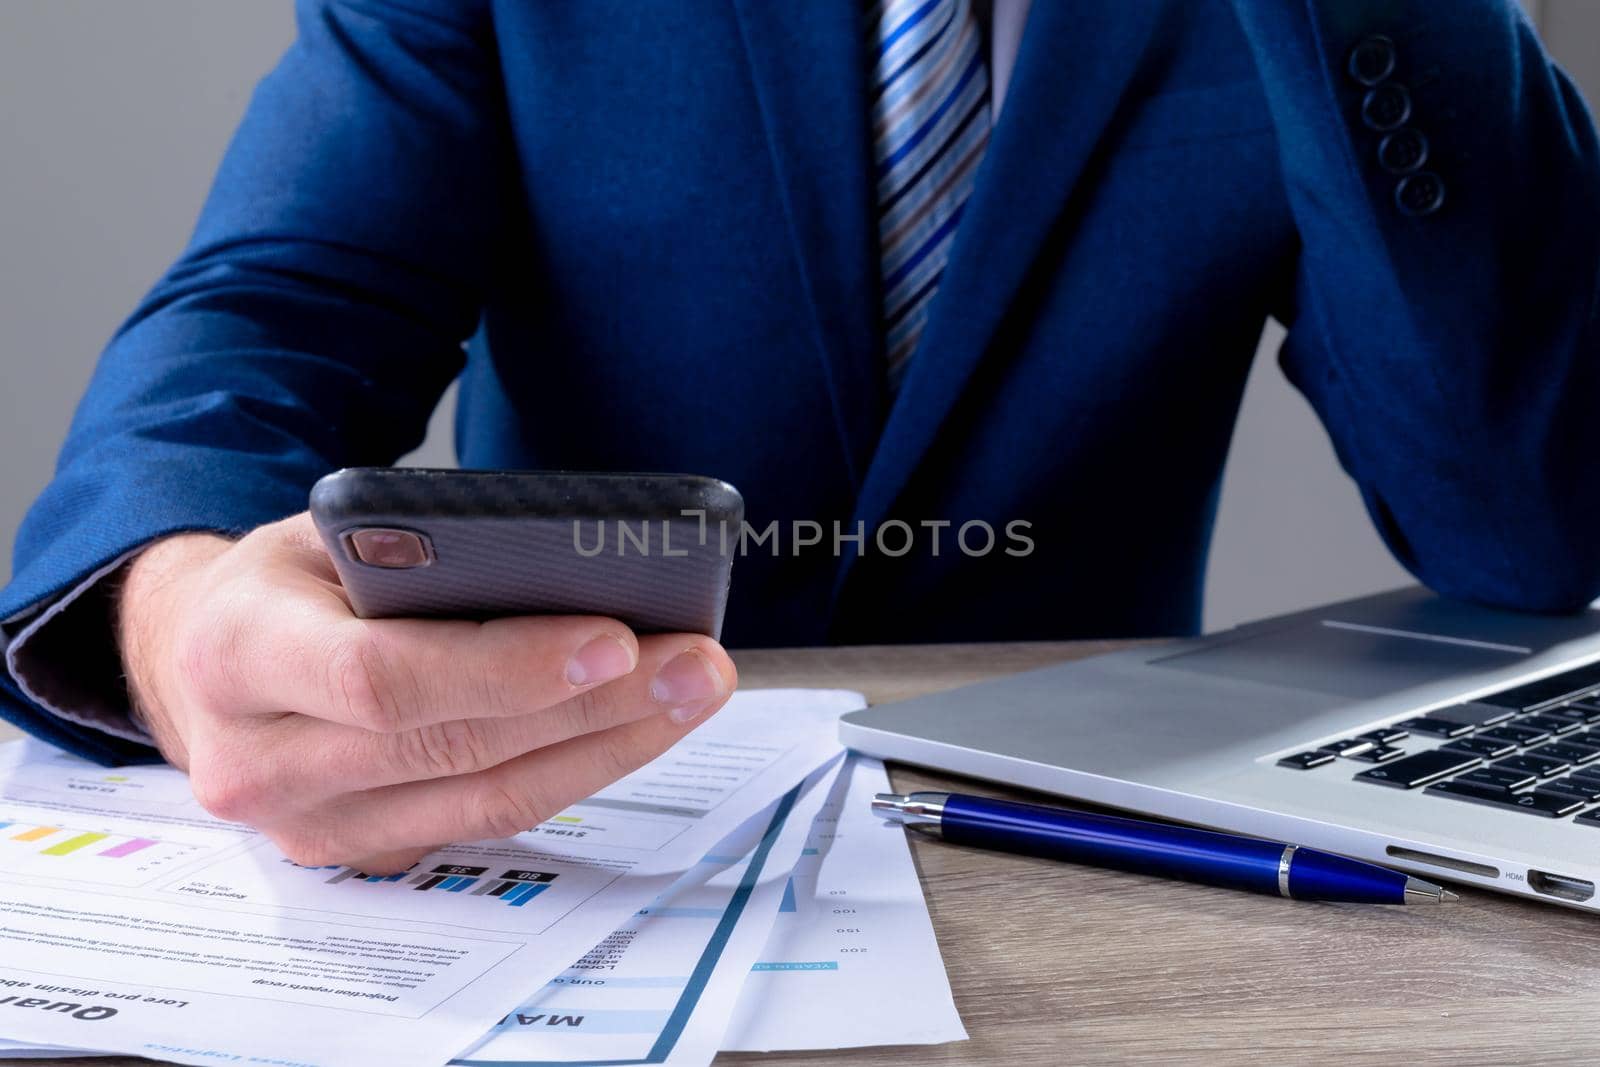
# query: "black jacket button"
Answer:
x=1386 y=107
x=1403 y=151
x=1372 y=60
x=1420 y=194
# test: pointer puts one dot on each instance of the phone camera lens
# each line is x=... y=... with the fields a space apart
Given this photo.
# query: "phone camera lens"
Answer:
x=378 y=546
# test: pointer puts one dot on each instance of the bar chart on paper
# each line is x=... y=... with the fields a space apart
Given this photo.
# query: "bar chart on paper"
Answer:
x=85 y=854
x=487 y=885
x=512 y=887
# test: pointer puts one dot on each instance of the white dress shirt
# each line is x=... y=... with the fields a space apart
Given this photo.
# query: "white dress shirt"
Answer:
x=1006 y=21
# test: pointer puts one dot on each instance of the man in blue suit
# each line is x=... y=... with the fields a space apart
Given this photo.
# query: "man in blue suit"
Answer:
x=921 y=261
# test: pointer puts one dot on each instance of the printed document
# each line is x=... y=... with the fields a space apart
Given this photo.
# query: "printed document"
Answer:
x=133 y=922
x=661 y=988
x=852 y=959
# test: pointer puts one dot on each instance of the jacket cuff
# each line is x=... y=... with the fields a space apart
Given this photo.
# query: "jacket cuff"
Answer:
x=62 y=657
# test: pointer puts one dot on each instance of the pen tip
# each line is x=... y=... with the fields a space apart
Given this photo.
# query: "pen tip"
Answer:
x=889 y=805
x=1418 y=891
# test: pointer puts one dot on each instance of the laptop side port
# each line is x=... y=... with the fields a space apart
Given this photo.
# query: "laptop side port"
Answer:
x=1449 y=863
x=1560 y=886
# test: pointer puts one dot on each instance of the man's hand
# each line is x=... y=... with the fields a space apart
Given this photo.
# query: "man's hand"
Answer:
x=370 y=742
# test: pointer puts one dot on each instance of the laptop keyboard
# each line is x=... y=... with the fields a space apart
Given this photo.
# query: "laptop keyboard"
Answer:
x=1534 y=748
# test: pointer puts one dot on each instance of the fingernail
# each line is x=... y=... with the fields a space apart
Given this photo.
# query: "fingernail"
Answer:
x=689 y=712
x=687 y=678
x=601 y=660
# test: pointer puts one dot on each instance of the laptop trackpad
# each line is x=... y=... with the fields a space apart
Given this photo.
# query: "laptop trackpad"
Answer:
x=1343 y=659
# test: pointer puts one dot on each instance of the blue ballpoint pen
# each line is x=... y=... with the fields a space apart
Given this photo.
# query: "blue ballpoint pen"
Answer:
x=1156 y=849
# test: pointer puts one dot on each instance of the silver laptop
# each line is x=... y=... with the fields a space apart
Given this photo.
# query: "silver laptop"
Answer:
x=1448 y=740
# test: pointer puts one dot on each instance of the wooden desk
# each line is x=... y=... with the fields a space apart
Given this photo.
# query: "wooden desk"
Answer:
x=1053 y=964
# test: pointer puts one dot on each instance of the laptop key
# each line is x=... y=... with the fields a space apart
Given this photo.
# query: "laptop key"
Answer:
x=1549 y=722
x=1571 y=751
x=1542 y=766
x=1589 y=708
x=1380 y=754
x=1479 y=745
x=1471 y=714
x=1419 y=769
x=1498 y=777
x=1385 y=735
x=1430 y=727
x=1553 y=792
x=1585 y=789
x=1589 y=818
x=1549 y=805
x=1350 y=746
x=1517 y=734
x=1570 y=714
x=1546 y=690
x=1304 y=761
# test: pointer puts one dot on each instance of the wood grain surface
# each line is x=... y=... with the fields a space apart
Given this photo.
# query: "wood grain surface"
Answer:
x=1053 y=964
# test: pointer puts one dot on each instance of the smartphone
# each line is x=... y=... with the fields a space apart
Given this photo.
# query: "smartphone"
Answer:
x=652 y=550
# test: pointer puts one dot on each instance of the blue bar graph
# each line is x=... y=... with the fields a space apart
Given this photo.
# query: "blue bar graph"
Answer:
x=513 y=887
x=524 y=893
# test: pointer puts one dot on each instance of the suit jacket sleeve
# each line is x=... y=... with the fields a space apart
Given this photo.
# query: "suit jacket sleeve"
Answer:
x=314 y=320
x=1443 y=317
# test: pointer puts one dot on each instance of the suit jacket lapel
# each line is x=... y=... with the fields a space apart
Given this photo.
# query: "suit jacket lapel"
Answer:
x=808 y=65
x=1076 y=59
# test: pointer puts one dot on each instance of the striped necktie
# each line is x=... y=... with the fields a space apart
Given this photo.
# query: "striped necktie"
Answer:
x=930 y=125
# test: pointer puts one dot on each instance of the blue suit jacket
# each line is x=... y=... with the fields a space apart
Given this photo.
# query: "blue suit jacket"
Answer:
x=656 y=220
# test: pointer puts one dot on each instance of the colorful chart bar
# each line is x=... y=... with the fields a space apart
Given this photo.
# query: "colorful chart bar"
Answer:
x=449 y=883
x=127 y=848
x=512 y=887
x=524 y=893
x=346 y=873
x=73 y=844
x=36 y=833
x=116 y=846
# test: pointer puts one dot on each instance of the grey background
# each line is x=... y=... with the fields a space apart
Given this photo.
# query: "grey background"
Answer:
x=115 y=115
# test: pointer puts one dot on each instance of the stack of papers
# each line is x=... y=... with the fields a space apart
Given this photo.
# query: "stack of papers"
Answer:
x=694 y=905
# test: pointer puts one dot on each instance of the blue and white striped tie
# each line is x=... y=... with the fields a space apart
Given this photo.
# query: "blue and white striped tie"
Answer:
x=930 y=125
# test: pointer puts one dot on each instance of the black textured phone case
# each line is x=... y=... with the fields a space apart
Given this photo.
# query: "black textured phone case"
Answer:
x=505 y=543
